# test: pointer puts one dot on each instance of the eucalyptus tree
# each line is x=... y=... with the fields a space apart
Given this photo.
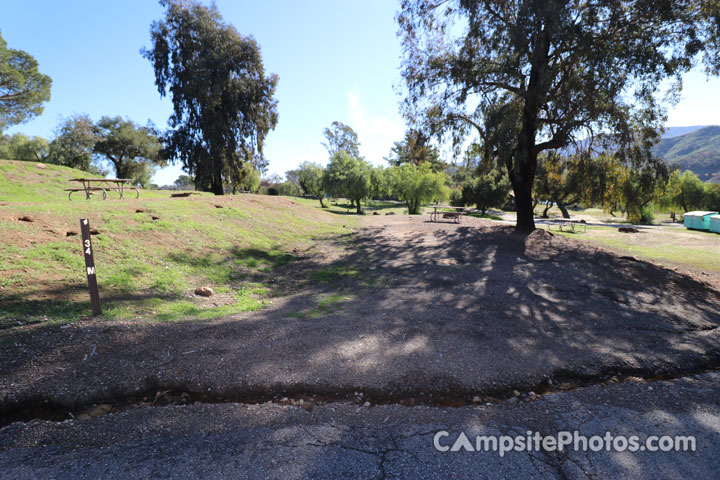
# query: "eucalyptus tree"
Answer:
x=535 y=75
x=415 y=148
x=223 y=102
x=341 y=138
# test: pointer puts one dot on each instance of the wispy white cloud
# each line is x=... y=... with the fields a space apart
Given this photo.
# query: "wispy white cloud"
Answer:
x=376 y=133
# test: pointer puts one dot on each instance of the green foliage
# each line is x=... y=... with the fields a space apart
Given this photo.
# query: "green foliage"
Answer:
x=456 y=197
x=380 y=183
x=73 y=144
x=417 y=185
x=349 y=177
x=23 y=89
x=560 y=180
x=530 y=76
x=20 y=147
x=341 y=137
x=288 y=189
x=132 y=149
x=684 y=191
x=711 y=197
x=415 y=149
x=223 y=102
x=642 y=184
x=310 y=176
x=251 y=181
x=293 y=177
x=184 y=182
x=487 y=190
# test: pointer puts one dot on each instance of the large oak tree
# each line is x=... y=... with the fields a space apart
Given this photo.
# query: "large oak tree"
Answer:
x=133 y=150
x=223 y=102
x=536 y=75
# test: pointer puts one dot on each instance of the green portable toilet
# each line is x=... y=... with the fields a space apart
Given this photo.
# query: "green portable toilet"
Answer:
x=715 y=223
x=698 y=220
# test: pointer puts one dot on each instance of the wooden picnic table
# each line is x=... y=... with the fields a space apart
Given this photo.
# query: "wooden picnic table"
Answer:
x=93 y=185
x=456 y=215
x=568 y=225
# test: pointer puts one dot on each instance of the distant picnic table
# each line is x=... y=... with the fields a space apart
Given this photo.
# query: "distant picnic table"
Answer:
x=446 y=211
x=566 y=225
x=102 y=185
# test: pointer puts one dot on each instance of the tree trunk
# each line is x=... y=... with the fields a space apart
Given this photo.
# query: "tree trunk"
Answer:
x=119 y=167
x=522 y=166
x=523 y=201
x=359 y=206
x=322 y=205
x=217 y=185
x=563 y=209
x=522 y=173
x=547 y=209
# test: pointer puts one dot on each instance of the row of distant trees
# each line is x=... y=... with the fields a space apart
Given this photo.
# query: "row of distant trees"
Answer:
x=415 y=175
x=133 y=151
x=634 y=190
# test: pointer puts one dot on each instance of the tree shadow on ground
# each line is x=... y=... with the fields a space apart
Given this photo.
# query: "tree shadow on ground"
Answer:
x=433 y=308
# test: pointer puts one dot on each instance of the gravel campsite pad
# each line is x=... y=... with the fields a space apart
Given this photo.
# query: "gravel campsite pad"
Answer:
x=399 y=309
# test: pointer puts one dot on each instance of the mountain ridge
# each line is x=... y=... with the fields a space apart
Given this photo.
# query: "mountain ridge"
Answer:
x=697 y=150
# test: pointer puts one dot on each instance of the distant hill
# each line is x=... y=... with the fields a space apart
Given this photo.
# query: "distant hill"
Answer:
x=671 y=132
x=693 y=148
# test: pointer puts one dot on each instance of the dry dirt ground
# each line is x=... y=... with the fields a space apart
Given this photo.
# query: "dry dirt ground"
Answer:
x=409 y=311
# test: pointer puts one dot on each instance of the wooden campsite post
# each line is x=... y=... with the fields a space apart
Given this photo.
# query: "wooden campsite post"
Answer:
x=90 y=267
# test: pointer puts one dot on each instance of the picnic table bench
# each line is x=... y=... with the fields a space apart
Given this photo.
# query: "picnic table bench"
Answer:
x=94 y=185
x=453 y=213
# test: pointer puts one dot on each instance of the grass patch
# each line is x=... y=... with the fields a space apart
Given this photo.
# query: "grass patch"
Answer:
x=659 y=245
x=332 y=275
x=147 y=268
x=324 y=305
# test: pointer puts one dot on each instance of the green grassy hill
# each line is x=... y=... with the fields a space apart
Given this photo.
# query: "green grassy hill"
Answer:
x=42 y=182
x=150 y=253
x=698 y=151
x=34 y=182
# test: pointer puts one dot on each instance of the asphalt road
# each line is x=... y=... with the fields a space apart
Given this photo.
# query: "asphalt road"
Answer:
x=346 y=440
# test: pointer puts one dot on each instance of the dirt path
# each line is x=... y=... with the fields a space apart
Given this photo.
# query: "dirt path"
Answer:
x=403 y=308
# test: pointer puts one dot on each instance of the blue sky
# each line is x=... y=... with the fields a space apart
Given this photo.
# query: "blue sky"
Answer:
x=337 y=60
